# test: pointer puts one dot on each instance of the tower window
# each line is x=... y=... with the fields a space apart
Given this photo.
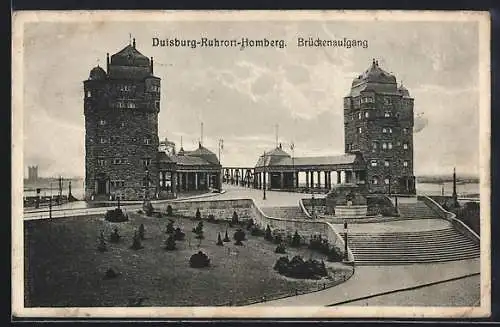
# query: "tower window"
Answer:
x=405 y=163
x=387 y=145
x=102 y=122
x=384 y=130
x=386 y=163
x=405 y=146
x=373 y=163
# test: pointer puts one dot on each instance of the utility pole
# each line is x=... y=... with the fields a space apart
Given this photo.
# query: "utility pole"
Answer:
x=265 y=177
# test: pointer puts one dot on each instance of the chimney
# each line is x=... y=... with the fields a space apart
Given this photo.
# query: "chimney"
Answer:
x=151 y=65
x=107 y=62
x=133 y=42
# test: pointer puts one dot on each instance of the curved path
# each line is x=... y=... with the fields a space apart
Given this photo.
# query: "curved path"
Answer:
x=372 y=280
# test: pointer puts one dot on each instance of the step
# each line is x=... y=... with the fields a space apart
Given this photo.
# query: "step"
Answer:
x=413 y=254
x=415 y=258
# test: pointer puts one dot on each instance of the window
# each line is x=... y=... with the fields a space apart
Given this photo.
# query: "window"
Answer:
x=386 y=181
x=122 y=124
x=118 y=184
x=120 y=161
x=102 y=122
x=115 y=139
x=405 y=163
x=130 y=104
x=359 y=115
x=384 y=145
x=125 y=88
x=384 y=130
x=89 y=94
x=373 y=163
x=103 y=140
x=367 y=114
x=120 y=104
x=375 y=180
x=405 y=146
x=405 y=130
x=389 y=145
x=389 y=130
x=374 y=145
x=157 y=105
x=386 y=163
x=387 y=101
x=101 y=162
x=147 y=141
x=146 y=162
x=359 y=130
x=387 y=114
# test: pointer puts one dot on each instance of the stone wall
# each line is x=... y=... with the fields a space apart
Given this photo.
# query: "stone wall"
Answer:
x=220 y=209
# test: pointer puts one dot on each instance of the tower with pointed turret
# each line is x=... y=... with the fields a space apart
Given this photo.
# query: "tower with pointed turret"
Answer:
x=378 y=123
x=121 y=106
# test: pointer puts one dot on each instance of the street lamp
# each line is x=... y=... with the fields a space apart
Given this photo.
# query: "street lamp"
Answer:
x=312 y=205
x=265 y=177
x=146 y=195
x=50 y=201
x=346 y=255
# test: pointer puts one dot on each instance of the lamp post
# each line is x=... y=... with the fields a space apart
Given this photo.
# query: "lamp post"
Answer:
x=50 y=202
x=312 y=206
x=346 y=255
x=146 y=195
x=265 y=177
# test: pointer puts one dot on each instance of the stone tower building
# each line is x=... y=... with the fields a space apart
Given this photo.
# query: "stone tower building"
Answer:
x=121 y=106
x=378 y=122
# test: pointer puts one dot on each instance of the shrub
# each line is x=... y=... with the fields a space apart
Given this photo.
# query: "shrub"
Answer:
x=179 y=235
x=268 y=234
x=277 y=239
x=256 y=231
x=199 y=260
x=250 y=224
x=116 y=216
x=296 y=240
x=136 y=242
x=320 y=244
x=198 y=214
x=234 y=219
x=169 y=210
x=298 y=268
x=170 y=227
x=114 y=237
x=110 y=274
x=170 y=243
x=226 y=238
x=211 y=218
x=148 y=209
x=281 y=248
x=239 y=236
x=335 y=254
x=199 y=228
x=141 y=231
x=219 y=240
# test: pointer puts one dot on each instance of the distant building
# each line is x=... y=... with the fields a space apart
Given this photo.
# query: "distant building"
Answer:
x=378 y=127
x=122 y=157
x=32 y=173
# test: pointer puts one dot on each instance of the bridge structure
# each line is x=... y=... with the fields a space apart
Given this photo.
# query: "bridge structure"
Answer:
x=241 y=176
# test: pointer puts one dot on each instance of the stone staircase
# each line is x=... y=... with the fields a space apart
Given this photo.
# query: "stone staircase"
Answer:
x=399 y=248
x=415 y=210
x=284 y=212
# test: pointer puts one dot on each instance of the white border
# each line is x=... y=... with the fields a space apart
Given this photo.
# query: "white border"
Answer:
x=18 y=309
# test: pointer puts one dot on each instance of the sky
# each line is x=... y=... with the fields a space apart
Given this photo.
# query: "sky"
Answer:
x=240 y=95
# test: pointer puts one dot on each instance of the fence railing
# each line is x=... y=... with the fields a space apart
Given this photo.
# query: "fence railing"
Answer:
x=460 y=226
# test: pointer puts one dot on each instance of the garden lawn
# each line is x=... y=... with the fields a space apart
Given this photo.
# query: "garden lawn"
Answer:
x=64 y=268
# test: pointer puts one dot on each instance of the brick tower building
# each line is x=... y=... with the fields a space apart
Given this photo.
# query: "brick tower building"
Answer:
x=121 y=106
x=378 y=122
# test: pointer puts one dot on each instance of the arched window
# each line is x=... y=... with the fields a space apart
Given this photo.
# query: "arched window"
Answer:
x=375 y=180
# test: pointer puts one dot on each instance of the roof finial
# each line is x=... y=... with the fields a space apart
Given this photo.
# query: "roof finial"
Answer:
x=133 y=42
x=373 y=62
x=130 y=38
x=376 y=63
